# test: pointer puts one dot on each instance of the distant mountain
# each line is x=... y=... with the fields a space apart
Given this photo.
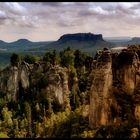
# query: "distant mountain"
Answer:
x=134 y=40
x=80 y=37
x=2 y=42
x=21 y=42
x=118 y=38
x=21 y=45
x=86 y=42
x=118 y=41
x=124 y=41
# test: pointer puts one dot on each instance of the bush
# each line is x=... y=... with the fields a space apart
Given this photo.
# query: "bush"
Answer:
x=29 y=59
x=3 y=135
x=14 y=59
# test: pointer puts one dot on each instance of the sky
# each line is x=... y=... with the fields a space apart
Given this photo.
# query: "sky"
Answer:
x=47 y=21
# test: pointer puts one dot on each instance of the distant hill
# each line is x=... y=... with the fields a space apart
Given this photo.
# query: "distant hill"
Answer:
x=83 y=41
x=86 y=42
x=21 y=45
x=80 y=37
x=118 y=41
x=21 y=42
x=134 y=40
x=124 y=41
x=125 y=38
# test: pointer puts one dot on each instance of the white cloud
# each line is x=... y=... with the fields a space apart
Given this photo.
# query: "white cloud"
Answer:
x=2 y=14
x=100 y=10
x=127 y=4
x=14 y=6
x=47 y=20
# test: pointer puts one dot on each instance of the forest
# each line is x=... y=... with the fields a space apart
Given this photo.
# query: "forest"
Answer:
x=34 y=114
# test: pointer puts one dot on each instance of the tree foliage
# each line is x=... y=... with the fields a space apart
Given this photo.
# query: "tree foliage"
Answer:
x=15 y=59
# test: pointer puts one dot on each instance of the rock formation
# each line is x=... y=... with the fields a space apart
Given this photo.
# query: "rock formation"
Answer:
x=99 y=93
x=57 y=86
x=113 y=76
x=125 y=67
x=29 y=76
x=81 y=37
x=10 y=78
x=113 y=71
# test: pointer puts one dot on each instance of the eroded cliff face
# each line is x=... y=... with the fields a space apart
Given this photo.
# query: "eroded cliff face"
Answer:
x=10 y=78
x=125 y=68
x=127 y=77
x=57 y=87
x=99 y=93
x=29 y=76
x=114 y=74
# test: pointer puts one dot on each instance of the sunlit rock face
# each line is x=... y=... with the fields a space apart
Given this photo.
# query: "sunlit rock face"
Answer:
x=99 y=113
x=125 y=70
x=126 y=76
x=113 y=71
x=136 y=98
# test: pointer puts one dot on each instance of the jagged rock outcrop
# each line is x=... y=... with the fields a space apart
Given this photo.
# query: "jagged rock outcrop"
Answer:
x=10 y=78
x=57 y=86
x=99 y=93
x=125 y=68
x=29 y=76
x=113 y=71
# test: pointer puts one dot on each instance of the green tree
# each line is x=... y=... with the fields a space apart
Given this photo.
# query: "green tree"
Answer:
x=3 y=135
x=30 y=58
x=67 y=58
x=29 y=119
x=7 y=116
x=88 y=63
x=79 y=60
x=15 y=59
x=51 y=57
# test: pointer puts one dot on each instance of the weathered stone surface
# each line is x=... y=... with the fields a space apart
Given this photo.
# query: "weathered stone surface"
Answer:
x=99 y=93
x=57 y=87
x=111 y=71
x=10 y=78
x=29 y=76
x=137 y=113
x=125 y=70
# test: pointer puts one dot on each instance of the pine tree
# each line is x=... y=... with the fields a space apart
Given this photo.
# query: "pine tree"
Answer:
x=7 y=116
x=29 y=119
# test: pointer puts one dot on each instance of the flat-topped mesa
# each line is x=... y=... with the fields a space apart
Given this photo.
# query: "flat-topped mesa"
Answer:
x=101 y=76
x=81 y=37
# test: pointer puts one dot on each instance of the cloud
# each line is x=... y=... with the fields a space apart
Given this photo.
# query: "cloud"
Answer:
x=15 y=14
x=55 y=18
x=14 y=7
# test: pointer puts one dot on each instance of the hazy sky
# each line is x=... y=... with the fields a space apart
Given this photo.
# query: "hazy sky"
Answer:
x=46 y=21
